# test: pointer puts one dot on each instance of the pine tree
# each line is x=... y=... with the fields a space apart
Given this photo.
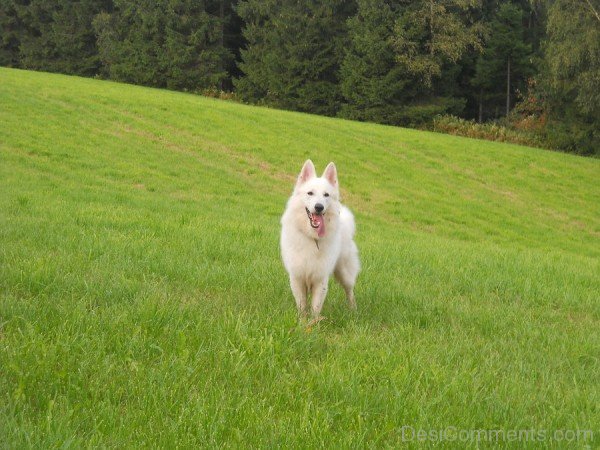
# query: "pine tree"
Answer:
x=166 y=43
x=293 y=54
x=372 y=82
x=230 y=37
x=58 y=35
x=11 y=33
x=505 y=63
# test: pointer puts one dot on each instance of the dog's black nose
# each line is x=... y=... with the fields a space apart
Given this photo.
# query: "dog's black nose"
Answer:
x=319 y=208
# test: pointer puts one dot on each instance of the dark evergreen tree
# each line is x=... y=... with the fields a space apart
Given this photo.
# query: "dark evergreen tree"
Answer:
x=373 y=84
x=505 y=64
x=176 y=44
x=293 y=54
x=11 y=33
x=58 y=35
x=230 y=38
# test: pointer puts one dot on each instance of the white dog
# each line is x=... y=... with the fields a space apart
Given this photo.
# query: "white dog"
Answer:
x=317 y=239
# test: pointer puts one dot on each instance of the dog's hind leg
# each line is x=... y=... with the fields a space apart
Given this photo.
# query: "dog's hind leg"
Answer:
x=319 y=291
x=345 y=273
x=350 y=297
x=299 y=290
x=347 y=283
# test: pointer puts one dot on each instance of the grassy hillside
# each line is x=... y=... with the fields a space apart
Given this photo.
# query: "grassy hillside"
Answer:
x=143 y=301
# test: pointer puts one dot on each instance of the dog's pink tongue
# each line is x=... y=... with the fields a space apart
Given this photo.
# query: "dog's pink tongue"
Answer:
x=319 y=220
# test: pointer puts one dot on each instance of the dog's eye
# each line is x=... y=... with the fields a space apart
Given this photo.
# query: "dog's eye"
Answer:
x=326 y=194
x=310 y=192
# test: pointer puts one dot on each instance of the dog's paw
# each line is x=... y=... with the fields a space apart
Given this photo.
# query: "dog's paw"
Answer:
x=313 y=322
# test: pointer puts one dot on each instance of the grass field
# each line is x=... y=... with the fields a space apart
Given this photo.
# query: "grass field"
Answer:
x=143 y=302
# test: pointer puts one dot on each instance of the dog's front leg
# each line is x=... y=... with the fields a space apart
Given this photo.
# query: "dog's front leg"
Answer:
x=299 y=290
x=319 y=291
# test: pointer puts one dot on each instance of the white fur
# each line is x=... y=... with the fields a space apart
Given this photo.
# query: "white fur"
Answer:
x=310 y=266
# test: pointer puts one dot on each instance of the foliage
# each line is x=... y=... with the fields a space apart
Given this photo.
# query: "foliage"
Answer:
x=506 y=55
x=381 y=85
x=571 y=75
x=293 y=53
x=573 y=53
x=11 y=31
x=220 y=94
x=167 y=43
x=431 y=33
x=373 y=84
x=524 y=133
x=52 y=35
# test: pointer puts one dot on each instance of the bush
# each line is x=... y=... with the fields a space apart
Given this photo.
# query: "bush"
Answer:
x=573 y=137
x=559 y=127
x=220 y=94
x=491 y=131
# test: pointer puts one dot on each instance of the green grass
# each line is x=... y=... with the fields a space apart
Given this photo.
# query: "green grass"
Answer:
x=143 y=302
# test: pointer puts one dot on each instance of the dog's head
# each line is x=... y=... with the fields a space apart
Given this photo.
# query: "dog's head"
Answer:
x=317 y=193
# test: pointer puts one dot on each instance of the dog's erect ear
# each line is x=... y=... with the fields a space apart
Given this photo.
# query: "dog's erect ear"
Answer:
x=330 y=174
x=308 y=171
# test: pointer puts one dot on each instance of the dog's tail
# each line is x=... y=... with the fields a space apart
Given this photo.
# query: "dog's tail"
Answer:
x=347 y=221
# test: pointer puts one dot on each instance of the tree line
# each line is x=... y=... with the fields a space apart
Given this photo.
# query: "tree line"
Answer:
x=530 y=63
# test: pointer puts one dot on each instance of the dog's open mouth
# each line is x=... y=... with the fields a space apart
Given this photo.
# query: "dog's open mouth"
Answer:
x=317 y=221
